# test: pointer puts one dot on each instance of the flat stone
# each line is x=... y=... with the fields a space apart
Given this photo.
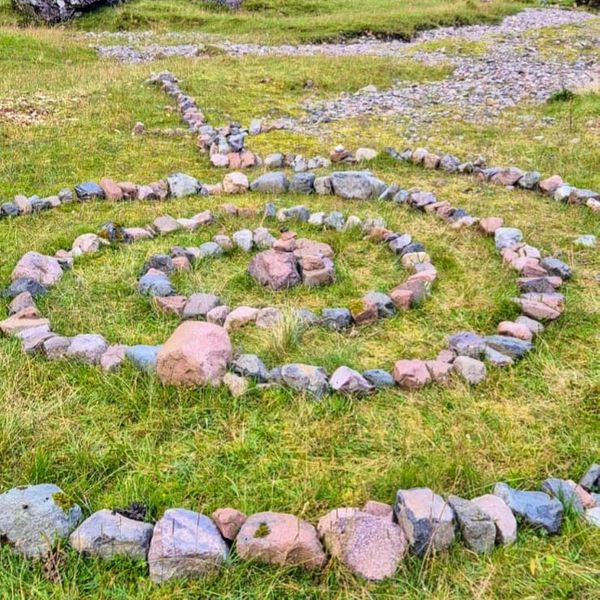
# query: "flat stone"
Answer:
x=537 y=509
x=537 y=309
x=33 y=339
x=510 y=346
x=504 y=520
x=356 y=185
x=185 y=544
x=229 y=522
x=466 y=343
x=497 y=359
x=477 y=528
x=199 y=305
x=440 y=371
x=411 y=374
x=33 y=518
x=556 y=267
x=473 y=371
x=280 y=539
x=508 y=176
x=107 y=534
x=564 y=492
x=426 y=518
x=551 y=184
x=112 y=191
x=170 y=304
x=379 y=378
x=166 y=224
x=56 y=347
x=350 y=382
x=87 y=347
x=89 y=191
x=306 y=378
x=369 y=546
x=240 y=316
x=196 y=354
x=271 y=183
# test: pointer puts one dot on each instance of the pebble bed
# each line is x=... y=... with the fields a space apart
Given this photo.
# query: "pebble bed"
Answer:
x=539 y=279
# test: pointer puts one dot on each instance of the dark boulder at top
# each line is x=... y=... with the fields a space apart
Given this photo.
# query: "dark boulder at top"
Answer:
x=55 y=11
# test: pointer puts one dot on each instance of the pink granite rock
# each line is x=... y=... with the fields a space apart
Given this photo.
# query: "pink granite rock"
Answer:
x=515 y=330
x=229 y=521
x=112 y=190
x=275 y=270
x=43 y=269
x=411 y=374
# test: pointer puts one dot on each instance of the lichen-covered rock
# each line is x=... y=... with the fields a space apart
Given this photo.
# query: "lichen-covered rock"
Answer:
x=108 y=534
x=33 y=518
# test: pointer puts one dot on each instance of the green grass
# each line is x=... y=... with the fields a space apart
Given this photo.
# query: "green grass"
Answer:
x=111 y=439
x=276 y=21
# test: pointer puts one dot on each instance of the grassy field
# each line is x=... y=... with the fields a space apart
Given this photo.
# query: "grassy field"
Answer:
x=109 y=440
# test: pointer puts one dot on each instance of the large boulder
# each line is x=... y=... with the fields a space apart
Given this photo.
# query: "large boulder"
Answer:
x=185 y=544
x=54 y=11
x=196 y=354
x=34 y=517
x=280 y=539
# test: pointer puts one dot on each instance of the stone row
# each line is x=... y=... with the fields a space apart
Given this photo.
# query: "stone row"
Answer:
x=371 y=542
x=512 y=177
x=538 y=281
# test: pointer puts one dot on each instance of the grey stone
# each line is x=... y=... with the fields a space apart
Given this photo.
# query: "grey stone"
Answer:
x=271 y=183
x=509 y=346
x=270 y=211
x=449 y=163
x=587 y=241
x=56 y=347
x=591 y=480
x=535 y=508
x=356 y=185
x=87 y=347
x=9 y=209
x=155 y=285
x=209 y=249
x=323 y=185
x=348 y=381
x=268 y=317
x=243 y=239
x=55 y=11
x=335 y=220
x=33 y=338
x=185 y=544
x=379 y=378
x=497 y=359
x=306 y=378
x=466 y=343
x=534 y=326
x=507 y=236
x=182 y=185
x=476 y=527
x=274 y=161
x=107 y=534
x=336 y=318
x=384 y=304
x=530 y=180
x=199 y=305
x=89 y=191
x=473 y=371
x=302 y=183
x=565 y=492
x=33 y=518
x=299 y=212
x=562 y=193
x=556 y=267
x=143 y=357
x=249 y=365
x=426 y=518
x=160 y=262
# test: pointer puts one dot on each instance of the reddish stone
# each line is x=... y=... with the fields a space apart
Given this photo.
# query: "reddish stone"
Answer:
x=551 y=184
x=411 y=374
x=515 y=330
x=276 y=270
x=440 y=371
x=229 y=522
x=170 y=304
x=112 y=191
x=490 y=224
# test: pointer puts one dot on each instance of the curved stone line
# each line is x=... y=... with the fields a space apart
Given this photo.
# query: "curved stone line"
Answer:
x=539 y=299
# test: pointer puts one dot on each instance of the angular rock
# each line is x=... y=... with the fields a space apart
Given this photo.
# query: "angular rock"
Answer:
x=185 y=544
x=240 y=316
x=182 y=185
x=504 y=520
x=243 y=239
x=113 y=358
x=276 y=270
x=556 y=267
x=271 y=183
x=591 y=479
x=564 y=492
x=379 y=378
x=56 y=347
x=89 y=191
x=506 y=237
x=411 y=374
x=306 y=378
x=473 y=371
x=199 y=305
x=348 y=381
x=509 y=346
x=87 y=347
x=336 y=319
x=466 y=343
x=143 y=357
x=476 y=526
x=235 y=183
x=249 y=365
x=229 y=522
x=43 y=269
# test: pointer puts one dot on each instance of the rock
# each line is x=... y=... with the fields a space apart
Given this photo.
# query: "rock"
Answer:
x=489 y=225
x=155 y=285
x=530 y=180
x=240 y=316
x=209 y=249
x=551 y=184
x=173 y=305
x=302 y=183
x=556 y=267
x=379 y=378
x=592 y=516
x=535 y=508
x=33 y=518
x=356 y=185
x=196 y=354
x=87 y=347
x=537 y=309
x=562 y=193
x=274 y=161
x=166 y=224
x=426 y=518
x=46 y=270
x=280 y=539
x=365 y=154
x=336 y=319
x=229 y=522
x=33 y=338
x=348 y=381
x=235 y=183
x=323 y=185
x=379 y=509
x=565 y=492
x=276 y=270
x=411 y=374
x=54 y=11
x=268 y=317
x=88 y=243
x=466 y=343
x=476 y=526
x=107 y=534
x=243 y=239
x=56 y=347
x=182 y=185
x=185 y=544
x=28 y=318
x=21 y=302
x=586 y=241
x=143 y=357
x=111 y=190
x=262 y=238
x=504 y=520
x=271 y=183
x=113 y=358
x=249 y=365
x=473 y=371
x=218 y=315
x=89 y=191
x=449 y=163
x=535 y=327
x=306 y=378
x=497 y=359
x=440 y=371
x=509 y=346
x=26 y=284
x=237 y=385
x=508 y=176
x=591 y=480
x=199 y=305
x=369 y=546
x=505 y=237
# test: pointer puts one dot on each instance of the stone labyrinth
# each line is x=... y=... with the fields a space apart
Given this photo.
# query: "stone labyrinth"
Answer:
x=372 y=541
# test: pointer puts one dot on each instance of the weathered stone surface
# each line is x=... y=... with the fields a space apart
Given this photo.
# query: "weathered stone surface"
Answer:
x=143 y=357
x=196 y=354
x=516 y=330
x=268 y=317
x=411 y=374
x=510 y=346
x=88 y=243
x=199 y=305
x=240 y=316
x=113 y=358
x=166 y=224
x=556 y=267
x=271 y=183
x=185 y=544
x=43 y=269
x=88 y=190
x=56 y=347
x=537 y=309
x=20 y=302
x=250 y=365
x=237 y=385
x=348 y=381
x=356 y=185
x=170 y=304
x=535 y=508
x=33 y=338
x=280 y=539
x=87 y=347
x=54 y=11
x=370 y=546
x=473 y=371
x=440 y=371
x=476 y=526
x=33 y=518
x=507 y=236
x=306 y=378
x=107 y=534
x=504 y=520
x=181 y=185
x=551 y=184
x=564 y=492
x=592 y=516
x=336 y=319
x=235 y=183
x=379 y=378
x=426 y=518
x=276 y=270
x=466 y=343
x=155 y=285
x=591 y=479
x=229 y=522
